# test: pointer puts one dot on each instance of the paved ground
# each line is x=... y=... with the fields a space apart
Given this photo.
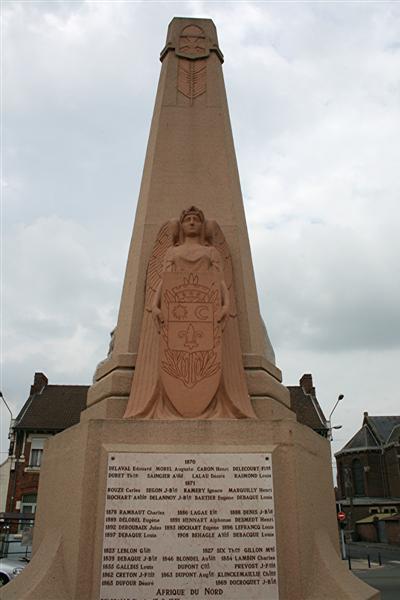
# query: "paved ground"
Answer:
x=362 y=549
x=385 y=578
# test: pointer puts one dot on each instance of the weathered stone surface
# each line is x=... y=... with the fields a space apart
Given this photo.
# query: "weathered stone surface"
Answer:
x=189 y=361
x=190 y=159
x=205 y=526
x=73 y=490
x=190 y=156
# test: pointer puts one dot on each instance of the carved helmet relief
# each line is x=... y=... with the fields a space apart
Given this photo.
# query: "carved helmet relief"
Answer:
x=192 y=41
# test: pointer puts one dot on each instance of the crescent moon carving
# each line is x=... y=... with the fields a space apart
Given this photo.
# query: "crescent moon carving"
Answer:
x=201 y=313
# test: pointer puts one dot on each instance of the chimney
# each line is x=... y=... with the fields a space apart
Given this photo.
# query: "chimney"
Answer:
x=39 y=382
x=306 y=383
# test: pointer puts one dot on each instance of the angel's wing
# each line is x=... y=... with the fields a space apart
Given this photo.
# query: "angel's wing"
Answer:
x=166 y=237
x=145 y=380
x=217 y=239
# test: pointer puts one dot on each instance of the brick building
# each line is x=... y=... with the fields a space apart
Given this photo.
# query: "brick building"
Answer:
x=368 y=468
x=303 y=401
x=48 y=410
x=53 y=408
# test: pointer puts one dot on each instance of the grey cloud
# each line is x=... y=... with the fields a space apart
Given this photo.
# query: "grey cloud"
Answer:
x=329 y=289
x=313 y=94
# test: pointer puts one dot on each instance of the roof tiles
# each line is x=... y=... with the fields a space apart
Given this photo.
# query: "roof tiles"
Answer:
x=55 y=408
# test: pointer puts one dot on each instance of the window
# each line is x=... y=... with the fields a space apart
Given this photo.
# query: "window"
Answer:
x=28 y=507
x=389 y=510
x=358 y=477
x=35 y=459
x=341 y=481
x=385 y=510
x=28 y=503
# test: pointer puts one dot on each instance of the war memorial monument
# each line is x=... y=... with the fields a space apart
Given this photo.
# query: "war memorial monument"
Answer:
x=188 y=475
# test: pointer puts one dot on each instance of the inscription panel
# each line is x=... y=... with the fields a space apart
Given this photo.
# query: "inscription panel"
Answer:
x=189 y=525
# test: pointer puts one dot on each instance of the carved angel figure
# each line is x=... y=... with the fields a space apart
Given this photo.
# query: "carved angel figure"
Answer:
x=189 y=361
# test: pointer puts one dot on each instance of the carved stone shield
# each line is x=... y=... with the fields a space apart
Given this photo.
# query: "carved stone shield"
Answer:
x=190 y=341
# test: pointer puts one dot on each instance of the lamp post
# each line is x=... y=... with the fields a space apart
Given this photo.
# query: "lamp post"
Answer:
x=330 y=438
x=8 y=408
x=329 y=422
x=12 y=420
x=11 y=449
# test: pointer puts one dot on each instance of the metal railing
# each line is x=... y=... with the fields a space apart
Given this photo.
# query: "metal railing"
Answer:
x=16 y=531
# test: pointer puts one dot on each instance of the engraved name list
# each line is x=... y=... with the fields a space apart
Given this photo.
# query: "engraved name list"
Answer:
x=181 y=526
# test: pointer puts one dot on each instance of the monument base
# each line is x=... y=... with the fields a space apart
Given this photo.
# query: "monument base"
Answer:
x=70 y=522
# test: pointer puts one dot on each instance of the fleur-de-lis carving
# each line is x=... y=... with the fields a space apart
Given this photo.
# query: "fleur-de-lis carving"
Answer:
x=191 y=336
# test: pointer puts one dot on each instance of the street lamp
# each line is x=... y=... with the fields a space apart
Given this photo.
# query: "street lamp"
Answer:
x=8 y=408
x=12 y=420
x=330 y=438
x=328 y=423
x=11 y=451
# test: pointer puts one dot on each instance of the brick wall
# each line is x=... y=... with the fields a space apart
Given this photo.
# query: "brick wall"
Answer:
x=392 y=463
x=393 y=532
x=373 y=477
x=367 y=532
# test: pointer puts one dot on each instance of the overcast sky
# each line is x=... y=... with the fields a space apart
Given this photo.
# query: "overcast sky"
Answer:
x=314 y=95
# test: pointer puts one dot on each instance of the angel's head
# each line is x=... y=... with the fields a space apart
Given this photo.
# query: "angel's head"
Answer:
x=191 y=224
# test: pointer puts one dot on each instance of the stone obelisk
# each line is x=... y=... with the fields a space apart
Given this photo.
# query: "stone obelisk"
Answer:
x=190 y=159
x=234 y=501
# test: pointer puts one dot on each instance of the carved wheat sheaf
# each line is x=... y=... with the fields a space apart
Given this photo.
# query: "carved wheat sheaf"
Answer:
x=192 y=78
x=192 y=367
